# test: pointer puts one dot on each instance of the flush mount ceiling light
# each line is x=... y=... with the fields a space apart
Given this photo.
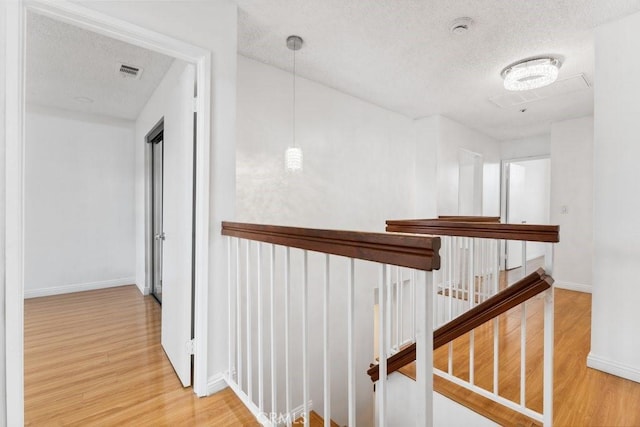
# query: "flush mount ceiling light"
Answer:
x=531 y=73
x=293 y=155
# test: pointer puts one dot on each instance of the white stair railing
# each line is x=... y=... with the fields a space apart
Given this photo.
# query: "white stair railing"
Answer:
x=472 y=270
x=479 y=278
x=320 y=283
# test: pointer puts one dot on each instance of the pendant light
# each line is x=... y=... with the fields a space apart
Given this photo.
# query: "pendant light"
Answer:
x=293 y=155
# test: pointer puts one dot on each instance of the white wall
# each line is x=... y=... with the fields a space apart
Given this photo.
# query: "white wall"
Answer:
x=454 y=136
x=427 y=137
x=3 y=388
x=79 y=220
x=362 y=165
x=535 y=146
x=401 y=406
x=358 y=158
x=213 y=26
x=438 y=142
x=615 y=342
x=572 y=187
x=358 y=172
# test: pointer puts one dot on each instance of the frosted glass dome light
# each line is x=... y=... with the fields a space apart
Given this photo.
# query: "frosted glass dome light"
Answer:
x=531 y=74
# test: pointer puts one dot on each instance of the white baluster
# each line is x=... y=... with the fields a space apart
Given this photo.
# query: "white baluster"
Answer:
x=230 y=310
x=472 y=296
x=351 y=350
x=305 y=340
x=484 y=271
x=239 y=354
x=387 y=316
x=325 y=339
x=401 y=307
x=524 y=258
x=272 y=332
x=496 y=266
x=412 y=285
x=287 y=273
x=547 y=399
x=381 y=387
x=523 y=354
x=424 y=351
x=397 y=308
x=453 y=255
x=249 y=309
x=496 y=354
x=260 y=338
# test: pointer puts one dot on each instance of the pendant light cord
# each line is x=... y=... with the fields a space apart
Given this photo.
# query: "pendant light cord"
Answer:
x=294 y=96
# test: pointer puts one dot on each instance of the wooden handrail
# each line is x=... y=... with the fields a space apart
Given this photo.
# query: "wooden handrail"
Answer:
x=487 y=230
x=498 y=304
x=419 y=252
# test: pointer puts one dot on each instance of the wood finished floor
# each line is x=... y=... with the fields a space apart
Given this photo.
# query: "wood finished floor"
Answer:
x=94 y=358
x=582 y=396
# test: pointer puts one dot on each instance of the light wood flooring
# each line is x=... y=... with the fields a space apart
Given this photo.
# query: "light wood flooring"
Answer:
x=582 y=396
x=94 y=358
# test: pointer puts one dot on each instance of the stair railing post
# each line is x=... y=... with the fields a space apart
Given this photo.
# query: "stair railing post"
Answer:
x=424 y=349
x=547 y=394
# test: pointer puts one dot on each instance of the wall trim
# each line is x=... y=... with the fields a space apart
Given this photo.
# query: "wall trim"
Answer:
x=78 y=287
x=216 y=383
x=572 y=286
x=612 y=367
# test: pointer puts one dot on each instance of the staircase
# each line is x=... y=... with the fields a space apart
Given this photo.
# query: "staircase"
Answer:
x=488 y=348
x=288 y=284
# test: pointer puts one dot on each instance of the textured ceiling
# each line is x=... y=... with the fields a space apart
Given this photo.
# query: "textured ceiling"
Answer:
x=400 y=54
x=65 y=62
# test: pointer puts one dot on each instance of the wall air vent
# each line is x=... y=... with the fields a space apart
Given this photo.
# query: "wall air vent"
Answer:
x=129 y=71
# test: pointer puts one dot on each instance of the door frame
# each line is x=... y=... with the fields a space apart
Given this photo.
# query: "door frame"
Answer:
x=149 y=207
x=16 y=12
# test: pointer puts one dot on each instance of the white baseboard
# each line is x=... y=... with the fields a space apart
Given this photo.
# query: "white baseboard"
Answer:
x=612 y=367
x=79 y=287
x=216 y=383
x=571 y=286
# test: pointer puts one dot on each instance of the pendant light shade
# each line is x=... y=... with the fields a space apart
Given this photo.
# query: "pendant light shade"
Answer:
x=293 y=159
x=293 y=155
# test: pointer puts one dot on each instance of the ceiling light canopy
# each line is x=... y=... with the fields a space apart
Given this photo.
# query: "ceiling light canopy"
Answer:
x=531 y=73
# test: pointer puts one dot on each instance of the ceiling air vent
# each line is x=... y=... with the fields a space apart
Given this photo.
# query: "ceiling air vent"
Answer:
x=559 y=88
x=129 y=71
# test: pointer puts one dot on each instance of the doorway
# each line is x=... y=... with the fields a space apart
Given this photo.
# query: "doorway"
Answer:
x=155 y=139
x=526 y=200
x=15 y=88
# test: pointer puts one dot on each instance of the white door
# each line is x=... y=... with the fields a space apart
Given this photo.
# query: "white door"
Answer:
x=516 y=210
x=178 y=225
